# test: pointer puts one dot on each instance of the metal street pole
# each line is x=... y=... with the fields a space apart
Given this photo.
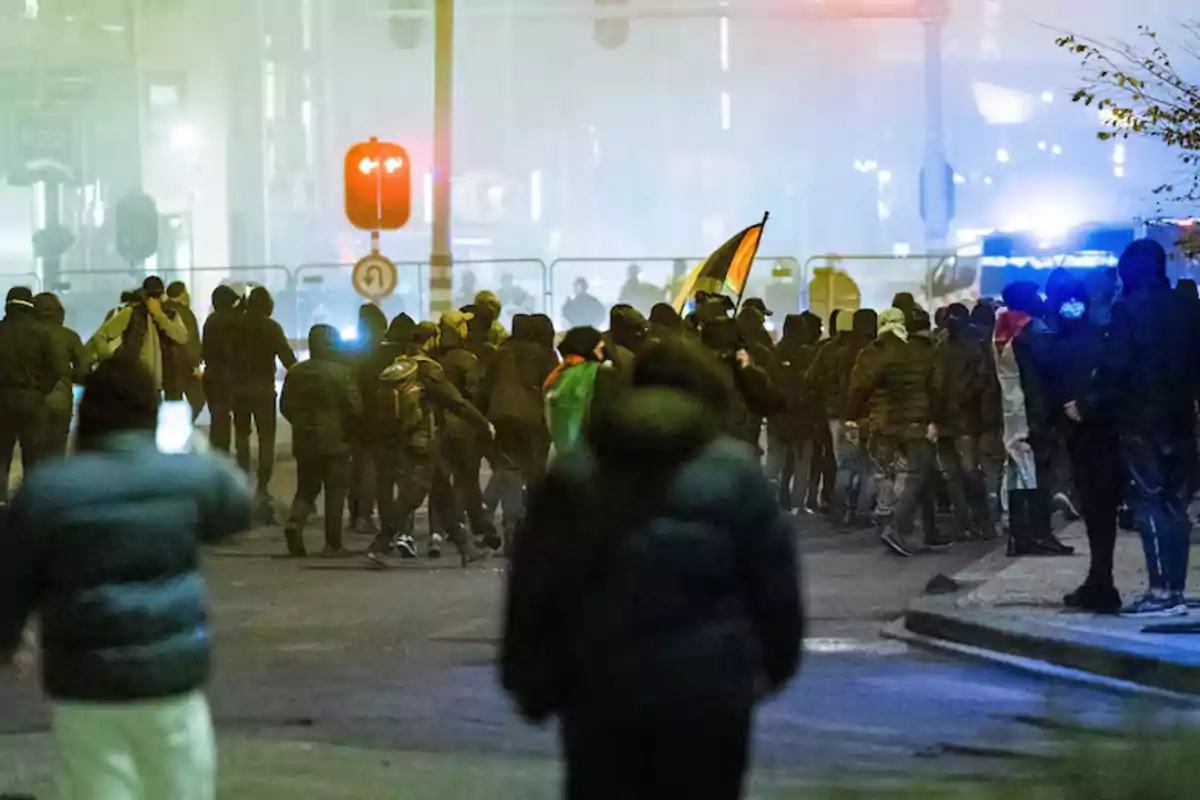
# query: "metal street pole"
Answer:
x=440 y=262
x=937 y=222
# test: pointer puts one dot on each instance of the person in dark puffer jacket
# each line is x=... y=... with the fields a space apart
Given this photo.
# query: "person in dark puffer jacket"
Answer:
x=791 y=439
x=653 y=599
x=219 y=351
x=60 y=403
x=103 y=549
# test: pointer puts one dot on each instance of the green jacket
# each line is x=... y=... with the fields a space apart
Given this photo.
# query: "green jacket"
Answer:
x=568 y=404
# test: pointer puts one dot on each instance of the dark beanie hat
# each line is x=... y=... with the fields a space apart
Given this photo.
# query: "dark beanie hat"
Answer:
x=21 y=296
x=581 y=342
x=1023 y=296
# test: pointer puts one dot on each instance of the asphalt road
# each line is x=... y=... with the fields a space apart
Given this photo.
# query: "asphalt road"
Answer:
x=402 y=661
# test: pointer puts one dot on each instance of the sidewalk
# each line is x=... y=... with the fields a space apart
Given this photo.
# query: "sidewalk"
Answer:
x=1014 y=607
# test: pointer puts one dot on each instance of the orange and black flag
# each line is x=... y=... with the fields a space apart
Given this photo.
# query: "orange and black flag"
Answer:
x=726 y=270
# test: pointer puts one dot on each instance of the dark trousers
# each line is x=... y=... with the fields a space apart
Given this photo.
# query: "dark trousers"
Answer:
x=652 y=758
x=258 y=407
x=917 y=466
x=404 y=475
x=19 y=424
x=456 y=491
x=959 y=459
x=193 y=391
x=792 y=459
x=521 y=453
x=56 y=433
x=1160 y=470
x=362 y=482
x=315 y=473
x=220 y=410
x=1096 y=468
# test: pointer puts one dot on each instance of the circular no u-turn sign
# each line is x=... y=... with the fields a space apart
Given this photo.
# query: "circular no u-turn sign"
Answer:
x=375 y=278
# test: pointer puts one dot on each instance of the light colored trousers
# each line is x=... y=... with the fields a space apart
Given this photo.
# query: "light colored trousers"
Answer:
x=147 y=750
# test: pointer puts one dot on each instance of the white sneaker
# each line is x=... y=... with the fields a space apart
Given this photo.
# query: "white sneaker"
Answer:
x=405 y=546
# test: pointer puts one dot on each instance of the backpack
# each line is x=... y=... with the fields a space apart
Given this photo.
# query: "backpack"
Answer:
x=129 y=350
x=400 y=397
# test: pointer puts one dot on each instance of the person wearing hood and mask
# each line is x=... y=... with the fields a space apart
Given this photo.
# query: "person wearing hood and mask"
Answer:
x=1150 y=380
x=142 y=330
x=219 y=351
x=963 y=380
x=181 y=362
x=755 y=395
x=627 y=330
x=56 y=430
x=322 y=403
x=488 y=309
x=577 y=388
x=511 y=397
x=358 y=355
x=653 y=599
x=1023 y=350
x=665 y=321
x=792 y=441
x=31 y=366
x=412 y=392
x=260 y=343
x=456 y=489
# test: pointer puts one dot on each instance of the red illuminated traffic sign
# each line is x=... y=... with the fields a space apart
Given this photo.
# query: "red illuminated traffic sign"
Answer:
x=378 y=186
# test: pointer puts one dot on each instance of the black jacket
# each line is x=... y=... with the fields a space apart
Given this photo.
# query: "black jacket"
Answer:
x=965 y=387
x=69 y=344
x=441 y=397
x=899 y=376
x=102 y=547
x=511 y=390
x=321 y=399
x=464 y=374
x=219 y=349
x=793 y=356
x=31 y=364
x=1150 y=376
x=654 y=576
x=180 y=361
x=259 y=342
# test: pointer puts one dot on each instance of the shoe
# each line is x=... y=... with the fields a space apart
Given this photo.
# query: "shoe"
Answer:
x=295 y=541
x=1063 y=503
x=405 y=546
x=435 y=547
x=494 y=543
x=937 y=546
x=1153 y=604
x=1038 y=547
x=377 y=560
x=334 y=552
x=893 y=541
x=1094 y=598
x=366 y=527
x=1125 y=519
x=469 y=552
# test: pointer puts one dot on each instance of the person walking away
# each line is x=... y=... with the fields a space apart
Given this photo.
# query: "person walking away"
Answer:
x=992 y=455
x=627 y=331
x=60 y=403
x=460 y=442
x=322 y=403
x=963 y=377
x=412 y=387
x=1150 y=378
x=755 y=396
x=898 y=366
x=576 y=388
x=372 y=328
x=182 y=377
x=102 y=549
x=219 y=352
x=511 y=397
x=583 y=309
x=141 y=330
x=1023 y=348
x=1090 y=436
x=665 y=321
x=653 y=599
x=260 y=343
x=791 y=435
x=31 y=366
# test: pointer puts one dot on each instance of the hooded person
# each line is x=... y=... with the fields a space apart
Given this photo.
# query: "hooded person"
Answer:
x=790 y=457
x=220 y=354
x=262 y=347
x=1149 y=381
x=456 y=491
x=511 y=397
x=60 y=403
x=141 y=330
x=358 y=355
x=627 y=330
x=1023 y=356
x=755 y=395
x=665 y=321
x=322 y=403
x=411 y=395
x=488 y=309
x=575 y=387
x=31 y=366
x=752 y=323
x=181 y=362
x=655 y=697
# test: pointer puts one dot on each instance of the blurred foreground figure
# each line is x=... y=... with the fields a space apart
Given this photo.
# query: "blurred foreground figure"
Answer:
x=102 y=547
x=654 y=597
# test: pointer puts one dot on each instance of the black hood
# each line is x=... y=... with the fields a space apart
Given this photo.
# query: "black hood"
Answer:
x=49 y=309
x=224 y=298
x=543 y=330
x=479 y=327
x=866 y=323
x=260 y=302
x=401 y=330
x=650 y=430
x=666 y=317
x=524 y=329
x=1143 y=265
x=1186 y=288
x=801 y=329
x=722 y=336
x=323 y=342
x=372 y=323
x=626 y=327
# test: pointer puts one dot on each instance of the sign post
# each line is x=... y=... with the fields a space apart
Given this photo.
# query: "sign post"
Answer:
x=378 y=179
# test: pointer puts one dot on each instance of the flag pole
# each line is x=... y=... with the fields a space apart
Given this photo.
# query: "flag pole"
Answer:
x=742 y=291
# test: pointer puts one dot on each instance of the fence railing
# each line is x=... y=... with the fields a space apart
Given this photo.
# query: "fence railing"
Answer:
x=877 y=277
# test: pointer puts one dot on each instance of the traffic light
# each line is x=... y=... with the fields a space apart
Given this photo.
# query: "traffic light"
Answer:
x=611 y=32
x=137 y=227
x=406 y=32
x=378 y=186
